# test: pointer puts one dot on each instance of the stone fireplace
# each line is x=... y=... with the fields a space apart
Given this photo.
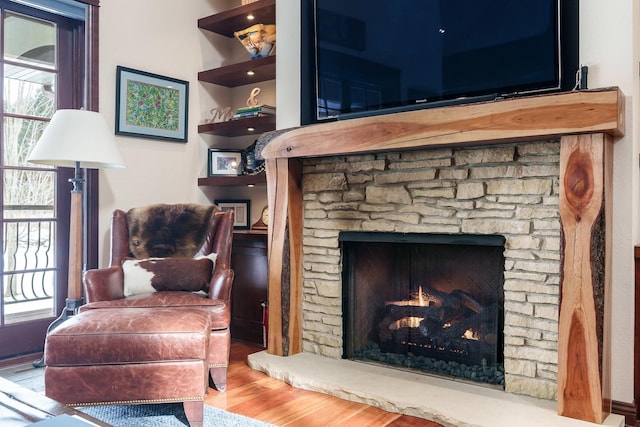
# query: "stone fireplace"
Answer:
x=411 y=173
x=509 y=191
x=425 y=302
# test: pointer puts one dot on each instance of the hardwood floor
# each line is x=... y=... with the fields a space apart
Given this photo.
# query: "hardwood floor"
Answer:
x=256 y=395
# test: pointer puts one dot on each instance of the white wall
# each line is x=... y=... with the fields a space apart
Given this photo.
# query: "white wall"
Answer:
x=157 y=36
x=608 y=47
x=161 y=36
x=288 y=63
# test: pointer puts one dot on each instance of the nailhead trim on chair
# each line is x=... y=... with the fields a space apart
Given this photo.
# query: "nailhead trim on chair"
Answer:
x=218 y=365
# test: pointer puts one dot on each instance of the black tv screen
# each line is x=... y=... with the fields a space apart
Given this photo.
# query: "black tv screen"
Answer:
x=369 y=57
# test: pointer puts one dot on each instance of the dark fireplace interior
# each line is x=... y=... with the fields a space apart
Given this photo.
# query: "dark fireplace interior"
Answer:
x=428 y=302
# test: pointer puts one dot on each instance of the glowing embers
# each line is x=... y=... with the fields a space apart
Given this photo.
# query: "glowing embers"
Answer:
x=443 y=322
x=447 y=333
x=421 y=299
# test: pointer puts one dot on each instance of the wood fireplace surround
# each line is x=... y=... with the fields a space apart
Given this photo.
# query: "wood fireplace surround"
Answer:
x=587 y=123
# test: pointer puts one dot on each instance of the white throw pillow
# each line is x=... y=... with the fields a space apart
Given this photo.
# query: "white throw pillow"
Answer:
x=167 y=274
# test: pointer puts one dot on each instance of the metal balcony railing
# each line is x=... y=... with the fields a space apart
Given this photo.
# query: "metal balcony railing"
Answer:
x=28 y=257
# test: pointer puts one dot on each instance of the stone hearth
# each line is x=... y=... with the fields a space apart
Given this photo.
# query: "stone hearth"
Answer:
x=450 y=403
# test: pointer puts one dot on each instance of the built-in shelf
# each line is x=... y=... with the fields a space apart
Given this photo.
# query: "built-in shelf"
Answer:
x=240 y=127
x=232 y=180
x=229 y=21
x=234 y=75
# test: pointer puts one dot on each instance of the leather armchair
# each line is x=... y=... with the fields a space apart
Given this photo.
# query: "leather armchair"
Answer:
x=105 y=287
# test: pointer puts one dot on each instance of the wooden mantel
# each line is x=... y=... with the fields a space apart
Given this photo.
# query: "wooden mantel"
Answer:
x=587 y=122
x=536 y=117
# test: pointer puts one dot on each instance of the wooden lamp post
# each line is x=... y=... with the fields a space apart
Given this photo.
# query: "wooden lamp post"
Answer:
x=78 y=139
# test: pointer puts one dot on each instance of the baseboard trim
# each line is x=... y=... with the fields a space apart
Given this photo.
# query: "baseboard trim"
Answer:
x=627 y=410
x=19 y=360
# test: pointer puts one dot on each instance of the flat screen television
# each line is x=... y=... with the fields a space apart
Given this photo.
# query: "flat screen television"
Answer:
x=378 y=56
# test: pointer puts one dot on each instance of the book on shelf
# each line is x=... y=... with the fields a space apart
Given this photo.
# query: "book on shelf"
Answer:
x=257 y=111
x=249 y=115
x=266 y=109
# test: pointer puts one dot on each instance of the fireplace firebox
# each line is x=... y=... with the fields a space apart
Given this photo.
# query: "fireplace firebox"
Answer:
x=428 y=302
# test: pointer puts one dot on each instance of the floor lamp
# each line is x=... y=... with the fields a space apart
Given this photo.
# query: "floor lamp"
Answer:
x=77 y=139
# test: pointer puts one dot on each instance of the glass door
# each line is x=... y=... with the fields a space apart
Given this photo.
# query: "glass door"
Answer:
x=37 y=77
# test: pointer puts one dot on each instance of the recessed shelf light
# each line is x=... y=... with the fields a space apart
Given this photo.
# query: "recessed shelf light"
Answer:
x=251 y=73
x=251 y=129
x=250 y=17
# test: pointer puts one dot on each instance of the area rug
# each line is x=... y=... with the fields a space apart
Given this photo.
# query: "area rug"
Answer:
x=165 y=415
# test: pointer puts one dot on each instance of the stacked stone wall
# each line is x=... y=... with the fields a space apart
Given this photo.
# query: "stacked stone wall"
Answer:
x=508 y=189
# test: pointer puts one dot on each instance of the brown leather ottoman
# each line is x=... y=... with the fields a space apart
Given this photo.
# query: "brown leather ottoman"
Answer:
x=130 y=356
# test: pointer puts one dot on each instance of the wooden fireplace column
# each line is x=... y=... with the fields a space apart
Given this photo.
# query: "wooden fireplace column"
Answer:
x=586 y=122
x=584 y=327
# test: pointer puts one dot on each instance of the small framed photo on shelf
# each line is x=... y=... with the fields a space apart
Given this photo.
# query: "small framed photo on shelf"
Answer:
x=224 y=162
x=151 y=106
x=242 y=211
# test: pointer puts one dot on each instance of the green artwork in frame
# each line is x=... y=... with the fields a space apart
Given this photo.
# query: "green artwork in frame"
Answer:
x=151 y=106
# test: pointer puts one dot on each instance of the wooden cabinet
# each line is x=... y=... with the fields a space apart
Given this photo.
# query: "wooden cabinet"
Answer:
x=249 y=262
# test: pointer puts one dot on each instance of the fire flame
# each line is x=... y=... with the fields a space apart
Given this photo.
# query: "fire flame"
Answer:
x=414 y=322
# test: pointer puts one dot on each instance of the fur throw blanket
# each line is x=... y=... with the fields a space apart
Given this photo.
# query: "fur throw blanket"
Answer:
x=161 y=230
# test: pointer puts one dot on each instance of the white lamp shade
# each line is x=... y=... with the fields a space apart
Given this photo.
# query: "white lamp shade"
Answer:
x=77 y=136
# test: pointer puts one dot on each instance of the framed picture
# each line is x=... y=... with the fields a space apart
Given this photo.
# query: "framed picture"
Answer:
x=151 y=106
x=242 y=211
x=224 y=162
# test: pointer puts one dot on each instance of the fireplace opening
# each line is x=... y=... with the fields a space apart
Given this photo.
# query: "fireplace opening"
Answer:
x=426 y=302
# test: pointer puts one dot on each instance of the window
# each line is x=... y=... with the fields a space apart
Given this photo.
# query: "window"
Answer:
x=43 y=69
x=28 y=196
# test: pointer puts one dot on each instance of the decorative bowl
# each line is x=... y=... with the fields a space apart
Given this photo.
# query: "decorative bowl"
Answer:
x=258 y=39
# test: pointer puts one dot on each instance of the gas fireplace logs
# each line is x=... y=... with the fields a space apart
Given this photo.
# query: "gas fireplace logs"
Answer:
x=452 y=325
